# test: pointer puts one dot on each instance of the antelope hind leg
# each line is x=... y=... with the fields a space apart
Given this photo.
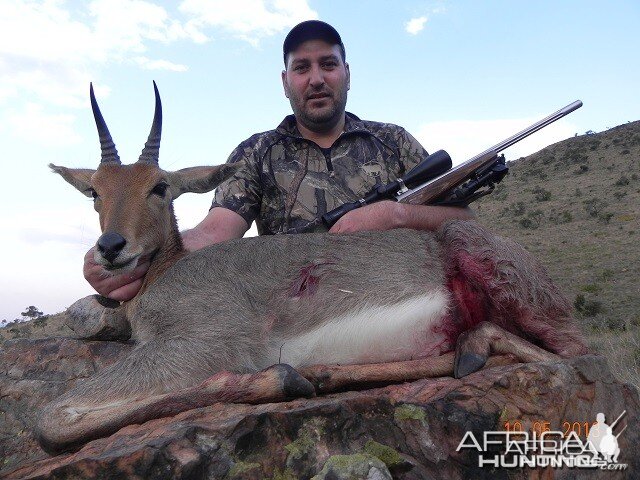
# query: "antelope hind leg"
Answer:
x=474 y=347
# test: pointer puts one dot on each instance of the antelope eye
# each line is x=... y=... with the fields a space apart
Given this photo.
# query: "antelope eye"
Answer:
x=94 y=194
x=160 y=189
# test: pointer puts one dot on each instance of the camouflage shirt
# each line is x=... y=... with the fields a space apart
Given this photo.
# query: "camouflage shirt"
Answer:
x=289 y=182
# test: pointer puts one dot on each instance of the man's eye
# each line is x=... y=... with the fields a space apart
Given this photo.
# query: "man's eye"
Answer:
x=160 y=189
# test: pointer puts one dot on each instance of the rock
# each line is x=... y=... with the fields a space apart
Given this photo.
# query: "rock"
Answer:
x=406 y=431
x=98 y=318
x=358 y=465
x=32 y=373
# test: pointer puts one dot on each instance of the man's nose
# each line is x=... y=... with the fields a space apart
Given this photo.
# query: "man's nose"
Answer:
x=317 y=76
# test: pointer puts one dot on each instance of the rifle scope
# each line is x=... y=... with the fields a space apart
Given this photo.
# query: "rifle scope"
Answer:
x=432 y=166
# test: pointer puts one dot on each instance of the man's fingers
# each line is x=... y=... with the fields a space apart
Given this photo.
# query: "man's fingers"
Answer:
x=118 y=287
x=126 y=292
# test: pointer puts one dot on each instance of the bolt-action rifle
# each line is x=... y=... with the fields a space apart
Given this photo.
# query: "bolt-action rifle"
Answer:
x=434 y=182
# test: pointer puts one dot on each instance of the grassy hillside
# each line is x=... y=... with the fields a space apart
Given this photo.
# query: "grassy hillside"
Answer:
x=576 y=206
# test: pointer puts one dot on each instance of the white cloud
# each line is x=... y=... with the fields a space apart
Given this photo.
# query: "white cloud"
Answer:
x=415 y=25
x=463 y=139
x=149 y=64
x=34 y=125
x=47 y=52
x=249 y=20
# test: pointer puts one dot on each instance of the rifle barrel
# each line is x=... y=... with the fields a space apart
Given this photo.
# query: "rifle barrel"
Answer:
x=535 y=127
x=435 y=188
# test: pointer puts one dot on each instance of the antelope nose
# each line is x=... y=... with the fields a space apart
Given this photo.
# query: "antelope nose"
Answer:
x=110 y=245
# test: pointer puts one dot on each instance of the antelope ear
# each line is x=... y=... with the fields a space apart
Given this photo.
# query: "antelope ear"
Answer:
x=80 y=178
x=200 y=179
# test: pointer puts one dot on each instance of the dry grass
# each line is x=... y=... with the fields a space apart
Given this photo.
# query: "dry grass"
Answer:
x=622 y=351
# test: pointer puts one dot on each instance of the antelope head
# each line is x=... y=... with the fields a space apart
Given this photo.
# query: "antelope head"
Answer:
x=134 y=201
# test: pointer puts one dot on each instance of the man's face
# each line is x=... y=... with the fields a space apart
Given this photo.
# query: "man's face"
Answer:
x=316 y=82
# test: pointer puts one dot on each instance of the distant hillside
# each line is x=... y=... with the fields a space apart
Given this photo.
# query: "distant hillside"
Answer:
x=576 y=206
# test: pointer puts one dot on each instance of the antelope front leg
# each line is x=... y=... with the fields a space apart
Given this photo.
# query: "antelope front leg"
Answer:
x=474 y=347
x=331 y=378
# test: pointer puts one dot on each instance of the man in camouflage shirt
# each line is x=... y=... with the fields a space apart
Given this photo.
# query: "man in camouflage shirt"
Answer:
x=289 y=181
x=317 y=159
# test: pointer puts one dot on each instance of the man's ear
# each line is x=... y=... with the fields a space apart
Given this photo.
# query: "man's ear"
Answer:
x=284 y=83
x=346 y=66
x=80 y=178
x=200 y=179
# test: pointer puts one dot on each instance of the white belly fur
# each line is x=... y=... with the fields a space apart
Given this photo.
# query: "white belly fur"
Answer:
x=372 y=334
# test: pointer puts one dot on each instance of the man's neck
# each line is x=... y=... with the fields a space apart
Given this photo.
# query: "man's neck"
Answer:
x=324 y=139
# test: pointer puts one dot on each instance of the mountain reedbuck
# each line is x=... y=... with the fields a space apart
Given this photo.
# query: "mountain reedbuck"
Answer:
x=273 y=318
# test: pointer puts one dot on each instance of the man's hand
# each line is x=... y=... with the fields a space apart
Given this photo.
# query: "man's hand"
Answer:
x=219 y=225
x=382 y=215
x=119 y=287
x=387 y=214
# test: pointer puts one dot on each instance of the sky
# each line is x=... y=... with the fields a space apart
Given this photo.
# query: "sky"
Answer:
x=459 y=75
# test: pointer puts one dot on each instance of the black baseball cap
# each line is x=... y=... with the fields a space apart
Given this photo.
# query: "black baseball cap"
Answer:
x=311 y=30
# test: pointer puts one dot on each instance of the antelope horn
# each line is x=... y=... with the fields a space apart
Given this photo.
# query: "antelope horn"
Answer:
x=109 y=152
x=151 y=149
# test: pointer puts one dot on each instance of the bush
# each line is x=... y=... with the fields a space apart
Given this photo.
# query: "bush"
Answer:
x=541 y=194
x=518 y=208
x=532 y=220
x=576 y=156
x=619 y=194
x=562 y=217
x=594 y=206
x=605 y=217
x=587 y=308
x=622 y=181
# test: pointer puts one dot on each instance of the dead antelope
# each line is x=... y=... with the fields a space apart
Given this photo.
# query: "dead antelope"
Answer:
x=247 y=320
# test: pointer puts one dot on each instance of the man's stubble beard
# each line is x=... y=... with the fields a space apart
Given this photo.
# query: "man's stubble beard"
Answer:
x=320 y=121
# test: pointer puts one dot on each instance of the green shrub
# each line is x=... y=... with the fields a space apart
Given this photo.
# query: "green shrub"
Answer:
x=576 y=156
x=605 y=217
x=622 y=181
x=541 y=194
x=562 y=217
x=591 y=288
x=532 y=220
x=594 y=206
x=619 y=194
x=587 y=308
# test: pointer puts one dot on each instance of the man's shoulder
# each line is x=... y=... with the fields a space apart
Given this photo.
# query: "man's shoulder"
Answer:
x=374 y=127
x=258 y=140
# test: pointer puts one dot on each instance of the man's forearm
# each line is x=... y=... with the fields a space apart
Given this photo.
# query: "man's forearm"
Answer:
x=218 y=226
x=428 y=217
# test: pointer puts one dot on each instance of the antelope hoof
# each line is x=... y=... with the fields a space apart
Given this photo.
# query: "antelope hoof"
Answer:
x=295 y=385
x=467 y=363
